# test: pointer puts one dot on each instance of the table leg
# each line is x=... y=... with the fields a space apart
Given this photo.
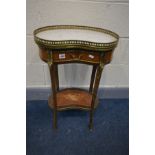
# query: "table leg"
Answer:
x=57 y=77
x=92 y=78
x=94 y=93
x=53 y=85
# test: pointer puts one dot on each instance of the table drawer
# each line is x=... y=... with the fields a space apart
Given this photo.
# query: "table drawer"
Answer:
x=83 y=56
x=76 y=56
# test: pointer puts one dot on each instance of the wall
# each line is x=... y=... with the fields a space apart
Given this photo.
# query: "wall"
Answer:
x=109 y=14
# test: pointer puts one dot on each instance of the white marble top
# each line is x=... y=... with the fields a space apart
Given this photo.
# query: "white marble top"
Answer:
x=76 y=34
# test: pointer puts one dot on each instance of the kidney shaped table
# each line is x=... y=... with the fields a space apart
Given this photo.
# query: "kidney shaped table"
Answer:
x=61 y=44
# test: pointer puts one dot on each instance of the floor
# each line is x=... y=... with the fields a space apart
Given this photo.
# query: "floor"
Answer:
x=109 y=137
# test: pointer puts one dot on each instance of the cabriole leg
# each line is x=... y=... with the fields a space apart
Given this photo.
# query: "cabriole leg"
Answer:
x=57 y=77
x=94 y=93
x=92 y=78
x=53 y=85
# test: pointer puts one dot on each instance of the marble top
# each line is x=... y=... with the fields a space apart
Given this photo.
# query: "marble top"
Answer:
x=75 y=34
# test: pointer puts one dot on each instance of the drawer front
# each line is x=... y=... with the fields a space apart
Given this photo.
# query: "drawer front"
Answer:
x=84 y=56
x=76 y=56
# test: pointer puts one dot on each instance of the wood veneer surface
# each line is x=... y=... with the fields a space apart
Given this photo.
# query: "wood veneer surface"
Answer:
x=72 y=99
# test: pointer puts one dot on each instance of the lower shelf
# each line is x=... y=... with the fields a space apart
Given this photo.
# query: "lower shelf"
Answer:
x=72 y=99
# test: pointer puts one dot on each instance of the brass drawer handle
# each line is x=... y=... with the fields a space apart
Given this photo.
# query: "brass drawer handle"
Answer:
x=76 y=58
x=80 y=55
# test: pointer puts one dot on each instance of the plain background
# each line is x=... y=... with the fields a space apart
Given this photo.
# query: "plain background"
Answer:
x=13 y=77
x=112 y=15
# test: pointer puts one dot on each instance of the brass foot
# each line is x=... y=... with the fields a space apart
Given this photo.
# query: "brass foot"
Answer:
x=55 y=127
x=90 y=126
